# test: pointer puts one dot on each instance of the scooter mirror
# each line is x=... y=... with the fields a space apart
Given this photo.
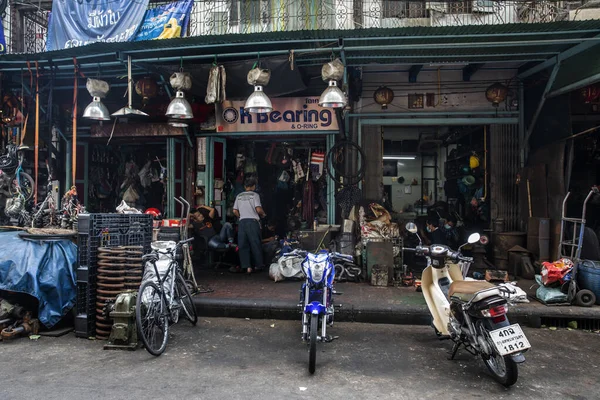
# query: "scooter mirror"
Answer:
x=411 y=227
x=474 y=238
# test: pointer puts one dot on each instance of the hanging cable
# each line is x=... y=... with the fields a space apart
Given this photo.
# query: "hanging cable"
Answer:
x=36 y=146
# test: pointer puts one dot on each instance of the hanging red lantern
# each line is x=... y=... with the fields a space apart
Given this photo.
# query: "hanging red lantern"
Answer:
x=496 y=93
x=146 y=88
x=590 y=93
x=383 y=96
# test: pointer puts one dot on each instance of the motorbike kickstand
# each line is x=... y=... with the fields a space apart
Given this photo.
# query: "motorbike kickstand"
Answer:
x=454 y=350
x=329 y=338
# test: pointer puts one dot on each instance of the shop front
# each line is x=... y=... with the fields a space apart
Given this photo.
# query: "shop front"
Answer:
x=284 y=149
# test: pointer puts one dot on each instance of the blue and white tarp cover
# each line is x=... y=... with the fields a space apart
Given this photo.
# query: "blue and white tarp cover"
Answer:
x=2 y=39
x=44 y=270
x=80 y=22
x=166 y=22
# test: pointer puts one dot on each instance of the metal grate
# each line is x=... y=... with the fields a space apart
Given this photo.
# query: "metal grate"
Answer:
x=26 y=24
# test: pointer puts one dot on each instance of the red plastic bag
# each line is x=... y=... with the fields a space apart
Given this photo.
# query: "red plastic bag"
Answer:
x=556 y=271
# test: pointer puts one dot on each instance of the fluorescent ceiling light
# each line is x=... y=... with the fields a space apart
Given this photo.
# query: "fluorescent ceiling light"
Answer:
x=449 y=64
x=399 y=157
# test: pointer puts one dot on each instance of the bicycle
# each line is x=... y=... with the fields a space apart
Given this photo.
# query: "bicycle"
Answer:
x=13 y=180
x=162 y=297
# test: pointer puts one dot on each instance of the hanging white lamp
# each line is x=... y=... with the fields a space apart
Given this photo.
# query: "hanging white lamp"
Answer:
x=332 y=97
x=129 y=110
x=96 y=110
x=179 y=108
x=258 y=102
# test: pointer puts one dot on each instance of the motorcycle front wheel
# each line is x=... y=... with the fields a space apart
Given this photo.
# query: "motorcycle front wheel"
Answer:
x=314 y=328
x=503 y=368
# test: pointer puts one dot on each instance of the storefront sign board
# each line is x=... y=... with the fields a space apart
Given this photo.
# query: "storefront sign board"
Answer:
x=300 y=114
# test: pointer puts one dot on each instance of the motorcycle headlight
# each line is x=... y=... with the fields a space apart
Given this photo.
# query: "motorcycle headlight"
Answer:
x=316 y=271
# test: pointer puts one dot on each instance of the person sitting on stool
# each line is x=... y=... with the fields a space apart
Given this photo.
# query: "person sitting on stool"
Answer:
x=270 y=241
x=248 y=208
x=207 y=227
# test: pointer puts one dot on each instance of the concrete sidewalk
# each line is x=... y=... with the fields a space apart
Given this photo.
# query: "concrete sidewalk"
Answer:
x=257 y=297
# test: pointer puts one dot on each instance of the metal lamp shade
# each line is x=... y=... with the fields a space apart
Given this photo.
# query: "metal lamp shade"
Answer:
x=96 y=111
x=179 y=108
x=258 y=102
x=332 y=97
x=178 y=124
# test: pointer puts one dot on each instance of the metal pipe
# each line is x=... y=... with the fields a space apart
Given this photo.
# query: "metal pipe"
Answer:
x=542 y=102
x=424 y=62
x=561 y=57
x=360 y=39
x=549 y=53
x=227 y=55
x=431 y=113
x=575 y=85
x=507 y=43
x=439 y=121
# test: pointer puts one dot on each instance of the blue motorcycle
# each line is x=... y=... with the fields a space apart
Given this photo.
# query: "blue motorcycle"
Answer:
x=316 y=298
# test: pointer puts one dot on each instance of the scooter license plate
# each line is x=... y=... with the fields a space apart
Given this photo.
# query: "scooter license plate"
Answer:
x=510 y=339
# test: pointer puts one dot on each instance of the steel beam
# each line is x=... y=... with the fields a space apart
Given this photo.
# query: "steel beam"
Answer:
x=438 y=121
x=413 y=72
x=541 y=103
x=575 y=85
x=584 y=45
x=440 y=114
x=470 y=70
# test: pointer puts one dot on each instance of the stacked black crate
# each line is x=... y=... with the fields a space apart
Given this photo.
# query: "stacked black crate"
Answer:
x=96 y=231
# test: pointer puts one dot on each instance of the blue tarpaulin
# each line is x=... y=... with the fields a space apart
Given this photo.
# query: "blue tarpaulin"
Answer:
x=166 y=22
x=2 y=39
x=77 y=23
x=45 y=270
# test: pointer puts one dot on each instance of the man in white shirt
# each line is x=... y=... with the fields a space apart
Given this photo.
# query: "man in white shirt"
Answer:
x=248 y=209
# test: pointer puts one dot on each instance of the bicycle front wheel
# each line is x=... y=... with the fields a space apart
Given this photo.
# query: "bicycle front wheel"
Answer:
x=23 y=183
x=185 y=299
x=151 y=318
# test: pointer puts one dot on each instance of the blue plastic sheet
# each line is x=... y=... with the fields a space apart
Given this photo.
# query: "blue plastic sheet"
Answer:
x=45 y=270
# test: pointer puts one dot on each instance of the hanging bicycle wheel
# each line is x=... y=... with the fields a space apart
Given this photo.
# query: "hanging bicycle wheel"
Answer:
x=347 y=160
x=23 y=183
x=151 y=317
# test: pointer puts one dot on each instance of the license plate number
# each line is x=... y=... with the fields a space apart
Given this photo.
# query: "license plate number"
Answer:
x=510 y=339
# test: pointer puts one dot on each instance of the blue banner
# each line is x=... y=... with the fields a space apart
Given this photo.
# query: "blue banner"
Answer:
x=166 y=22
x=77 y=23
x=2 y=39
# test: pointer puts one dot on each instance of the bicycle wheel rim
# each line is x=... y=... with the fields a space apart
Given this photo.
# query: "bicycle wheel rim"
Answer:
x=185 y=299
x=151 y=318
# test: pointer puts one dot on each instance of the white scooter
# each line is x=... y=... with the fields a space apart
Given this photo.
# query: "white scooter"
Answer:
x=471 y=313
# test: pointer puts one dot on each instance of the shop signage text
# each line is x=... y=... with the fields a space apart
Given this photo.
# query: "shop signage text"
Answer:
x=289 y=114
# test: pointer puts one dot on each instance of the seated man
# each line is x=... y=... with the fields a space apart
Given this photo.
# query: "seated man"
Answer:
x=270 y=241
x=434 y=233
x=207 y=227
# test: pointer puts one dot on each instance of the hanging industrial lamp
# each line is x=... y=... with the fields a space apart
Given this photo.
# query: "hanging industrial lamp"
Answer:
x=128 y=109
x=179 y=108
x=96 y=110
x=332 y=97
x=258 y=102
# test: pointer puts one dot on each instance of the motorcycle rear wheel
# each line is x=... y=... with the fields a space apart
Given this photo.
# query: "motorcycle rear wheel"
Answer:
x=314 y=328
x=503 y=368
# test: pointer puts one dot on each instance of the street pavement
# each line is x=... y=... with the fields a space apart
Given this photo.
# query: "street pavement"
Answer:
x=265 y=359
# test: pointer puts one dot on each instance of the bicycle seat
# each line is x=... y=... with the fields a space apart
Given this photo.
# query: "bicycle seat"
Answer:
x=152 y=257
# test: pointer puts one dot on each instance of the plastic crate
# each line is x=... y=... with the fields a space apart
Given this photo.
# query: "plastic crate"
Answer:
x=103 y=230
x=588 y=277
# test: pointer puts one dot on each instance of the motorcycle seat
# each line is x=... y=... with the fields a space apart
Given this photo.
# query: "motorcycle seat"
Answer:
x=472 y=290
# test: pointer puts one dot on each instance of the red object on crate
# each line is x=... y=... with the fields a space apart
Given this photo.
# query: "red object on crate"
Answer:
x=555 y=271
x=173 y=222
